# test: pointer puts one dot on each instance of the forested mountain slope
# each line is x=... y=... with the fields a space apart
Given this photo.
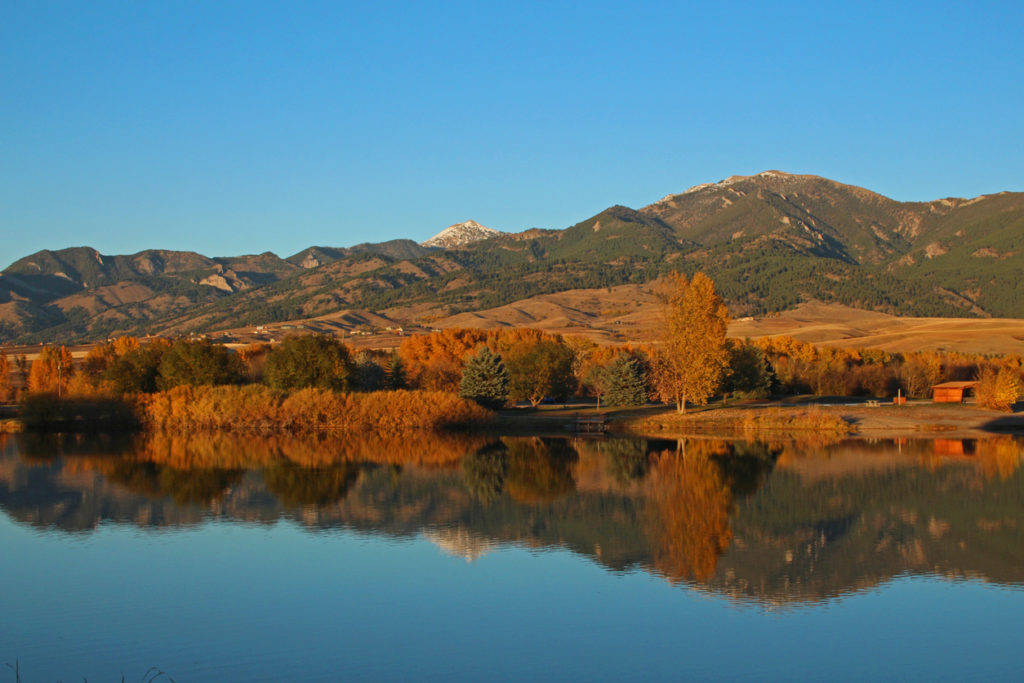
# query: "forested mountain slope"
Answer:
x=770 y=241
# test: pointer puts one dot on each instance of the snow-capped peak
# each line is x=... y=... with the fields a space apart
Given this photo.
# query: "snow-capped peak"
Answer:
x=460 y=234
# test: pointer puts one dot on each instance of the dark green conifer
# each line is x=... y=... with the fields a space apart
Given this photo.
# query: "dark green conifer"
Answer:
x=394 y=376
x=485 y=379
x=625 y=382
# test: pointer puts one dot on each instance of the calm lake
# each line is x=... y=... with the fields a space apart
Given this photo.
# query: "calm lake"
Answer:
x=220 y=558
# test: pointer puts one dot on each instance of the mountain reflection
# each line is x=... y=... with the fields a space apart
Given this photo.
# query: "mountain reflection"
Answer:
x=776 y=523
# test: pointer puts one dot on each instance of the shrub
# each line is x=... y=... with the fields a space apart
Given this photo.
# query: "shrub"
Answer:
x=260 y=408
x=999 y=390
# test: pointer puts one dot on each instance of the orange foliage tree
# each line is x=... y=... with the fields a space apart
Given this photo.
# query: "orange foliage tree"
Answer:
x=693 y=357
x=434 y=361
x=51 y=371
x=5 y=377
x=999 y=390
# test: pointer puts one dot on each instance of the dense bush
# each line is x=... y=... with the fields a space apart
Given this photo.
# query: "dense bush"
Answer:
x=257 y=407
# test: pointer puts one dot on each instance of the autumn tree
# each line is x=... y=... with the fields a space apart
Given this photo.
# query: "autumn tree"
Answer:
x=51 y=371
x=434 y=361
x=749 y=373
x=5 y=377
x=920 y=372
x=999 y=390
x=485 y=379
x=136 y=370
x=693 y=355
x=198 y=363
x=309 y=361
x=538 y=370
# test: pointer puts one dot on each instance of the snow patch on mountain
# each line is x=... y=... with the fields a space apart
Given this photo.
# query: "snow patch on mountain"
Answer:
x=461 y=234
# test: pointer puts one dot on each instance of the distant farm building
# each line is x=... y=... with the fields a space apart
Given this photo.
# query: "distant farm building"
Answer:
x=952 y=392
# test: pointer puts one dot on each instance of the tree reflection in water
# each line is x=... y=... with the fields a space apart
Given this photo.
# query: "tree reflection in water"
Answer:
x=296 y=486
x=688 y=508
x=185 y=487
x=540 y=470
x=784 y=521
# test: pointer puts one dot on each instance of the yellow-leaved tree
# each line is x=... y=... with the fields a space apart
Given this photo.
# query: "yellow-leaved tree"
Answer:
x=51 y=371
x=693 y=355
x=5 y=376
x=999 y=390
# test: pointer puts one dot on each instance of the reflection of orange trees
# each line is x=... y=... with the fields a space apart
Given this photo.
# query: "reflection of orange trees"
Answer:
x=207 y=450
x=999 y=456
x=539 y=470
x=154 y=480
x=689 y=505
x=256 y=407
x=294 y=485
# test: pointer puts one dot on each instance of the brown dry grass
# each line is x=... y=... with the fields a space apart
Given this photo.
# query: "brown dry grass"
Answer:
x=733 y=421
x=255 y=407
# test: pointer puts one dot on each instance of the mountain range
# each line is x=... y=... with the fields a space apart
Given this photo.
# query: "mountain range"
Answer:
x=770 y=241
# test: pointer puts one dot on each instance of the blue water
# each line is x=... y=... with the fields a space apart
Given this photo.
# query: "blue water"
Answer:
x=229 y=599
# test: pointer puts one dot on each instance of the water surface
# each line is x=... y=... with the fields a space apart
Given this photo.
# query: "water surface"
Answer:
x=225 y=558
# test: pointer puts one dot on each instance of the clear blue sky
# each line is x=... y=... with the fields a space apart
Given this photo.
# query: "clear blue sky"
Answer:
x=230 y=128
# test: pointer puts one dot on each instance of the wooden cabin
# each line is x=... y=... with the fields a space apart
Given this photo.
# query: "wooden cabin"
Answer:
x=952 y=392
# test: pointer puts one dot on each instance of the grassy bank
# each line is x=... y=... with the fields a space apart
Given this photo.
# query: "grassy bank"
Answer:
x=775 y=421
x=255 y=408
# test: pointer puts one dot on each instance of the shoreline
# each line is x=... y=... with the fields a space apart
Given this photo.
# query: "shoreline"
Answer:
x=750 y=420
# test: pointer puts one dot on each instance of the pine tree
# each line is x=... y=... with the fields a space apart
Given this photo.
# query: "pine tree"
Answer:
x=624 y=382
x=368 y=376
x=394 y=377
x=485 y=379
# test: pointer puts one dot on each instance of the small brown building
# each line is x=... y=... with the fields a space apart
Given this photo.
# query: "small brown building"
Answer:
x=952 y=392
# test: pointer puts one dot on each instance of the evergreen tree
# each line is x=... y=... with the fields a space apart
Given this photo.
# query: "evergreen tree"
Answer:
x=624 y=382
x=368 y=375
x=394 y=375
x=485 y=379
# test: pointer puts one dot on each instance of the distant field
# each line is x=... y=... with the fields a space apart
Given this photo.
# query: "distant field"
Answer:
x=630 y=313
x=834 y=325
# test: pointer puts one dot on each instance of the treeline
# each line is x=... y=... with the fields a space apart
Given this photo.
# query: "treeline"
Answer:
x=491 y=367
